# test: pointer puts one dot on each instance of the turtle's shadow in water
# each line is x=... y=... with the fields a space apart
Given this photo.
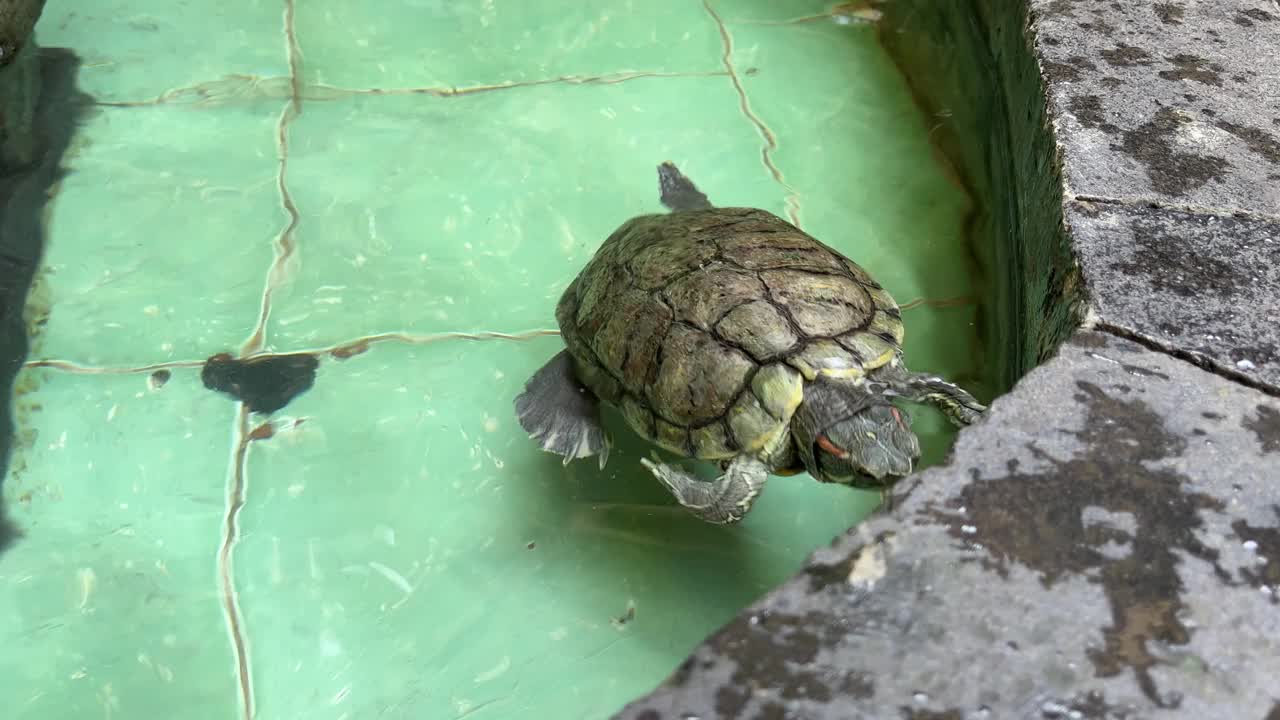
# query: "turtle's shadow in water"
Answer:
x=651 y=540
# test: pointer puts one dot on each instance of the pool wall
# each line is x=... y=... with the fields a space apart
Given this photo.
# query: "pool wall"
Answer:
x=974 y=72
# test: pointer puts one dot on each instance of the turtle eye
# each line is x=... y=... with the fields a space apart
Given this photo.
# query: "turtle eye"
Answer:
x=825 y=443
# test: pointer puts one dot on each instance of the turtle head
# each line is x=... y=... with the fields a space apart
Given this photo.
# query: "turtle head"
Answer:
x=851 y=435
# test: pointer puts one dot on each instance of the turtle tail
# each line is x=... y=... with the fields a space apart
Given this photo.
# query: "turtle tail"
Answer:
x=678 y=191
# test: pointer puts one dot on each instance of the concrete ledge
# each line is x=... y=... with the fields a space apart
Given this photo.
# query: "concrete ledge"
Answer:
x=1115 y=557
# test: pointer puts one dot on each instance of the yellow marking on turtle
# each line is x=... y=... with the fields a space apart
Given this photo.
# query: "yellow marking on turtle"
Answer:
x=852 y=373
x=878 y=351
x=760 y=417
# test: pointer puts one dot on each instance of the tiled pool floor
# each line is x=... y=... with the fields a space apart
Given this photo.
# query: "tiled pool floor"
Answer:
x=299 y=175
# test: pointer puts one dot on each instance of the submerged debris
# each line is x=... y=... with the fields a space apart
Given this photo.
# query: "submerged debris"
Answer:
x=265 y=384
x=159 y=378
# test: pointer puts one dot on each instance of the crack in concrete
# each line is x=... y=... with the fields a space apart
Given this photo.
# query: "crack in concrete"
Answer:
x=235 y=500
x=251 y=88
x=341 y=350
x=1151 y=204
x=1204 y=363
x=770 y=139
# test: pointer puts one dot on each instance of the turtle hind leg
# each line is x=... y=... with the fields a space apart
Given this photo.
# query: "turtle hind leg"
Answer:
x=560 y=414
x=726 y=499
x=677 y=191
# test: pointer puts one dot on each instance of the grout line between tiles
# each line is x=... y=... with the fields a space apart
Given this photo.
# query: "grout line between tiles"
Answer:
x=340 y=351
x=252 y=87
x=294 y=53
x=285 y=247
x=237 y=483
x=770 y=139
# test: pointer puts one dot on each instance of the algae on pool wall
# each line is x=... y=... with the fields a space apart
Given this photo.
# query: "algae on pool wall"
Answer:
x=990 y=120
x=392 y=542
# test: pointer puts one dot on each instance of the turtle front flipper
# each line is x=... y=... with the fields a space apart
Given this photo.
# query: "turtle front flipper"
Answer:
x=677 y=191
x=562 y=415
x=726 y=499
x=952 y=400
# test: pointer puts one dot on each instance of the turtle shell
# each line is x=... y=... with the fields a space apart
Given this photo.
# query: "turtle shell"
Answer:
x=702 y=326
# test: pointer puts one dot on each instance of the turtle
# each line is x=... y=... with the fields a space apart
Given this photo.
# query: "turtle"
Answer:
x=727 y=334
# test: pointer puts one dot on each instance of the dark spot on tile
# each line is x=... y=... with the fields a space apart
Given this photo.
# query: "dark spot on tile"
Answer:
x=265 y=384
x=1258 y=140
x=1242 y=20
x=159 y=378
x=530 y=545
x=1190 y=67
x=1172 y=171
x=1169 y=13
x=625 y=617
x=1036 y=519
x=1267 y=427
x=1088 y=110
x=1163 y=260
x=1126 y=56
x=1266 y=544
x=1258 y=14
x=1111 y=82
x=1208 y=415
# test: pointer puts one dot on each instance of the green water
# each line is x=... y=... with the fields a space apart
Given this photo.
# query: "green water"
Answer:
x=399 y=549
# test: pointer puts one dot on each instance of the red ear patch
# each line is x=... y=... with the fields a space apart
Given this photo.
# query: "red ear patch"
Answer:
x=825 y=443
x=897 y=415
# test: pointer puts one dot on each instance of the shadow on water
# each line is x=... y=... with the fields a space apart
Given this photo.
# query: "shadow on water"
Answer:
x=624 y=509
x=40 y=87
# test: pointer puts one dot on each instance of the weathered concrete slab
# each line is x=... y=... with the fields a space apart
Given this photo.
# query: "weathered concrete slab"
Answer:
x=1175 y=102
x=1106 y=546
x=1203 y=284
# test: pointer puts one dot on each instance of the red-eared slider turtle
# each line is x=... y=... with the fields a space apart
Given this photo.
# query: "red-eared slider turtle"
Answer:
x=729 y=334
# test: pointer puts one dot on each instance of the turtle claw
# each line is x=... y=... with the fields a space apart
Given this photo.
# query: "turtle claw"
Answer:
x=724 y=500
